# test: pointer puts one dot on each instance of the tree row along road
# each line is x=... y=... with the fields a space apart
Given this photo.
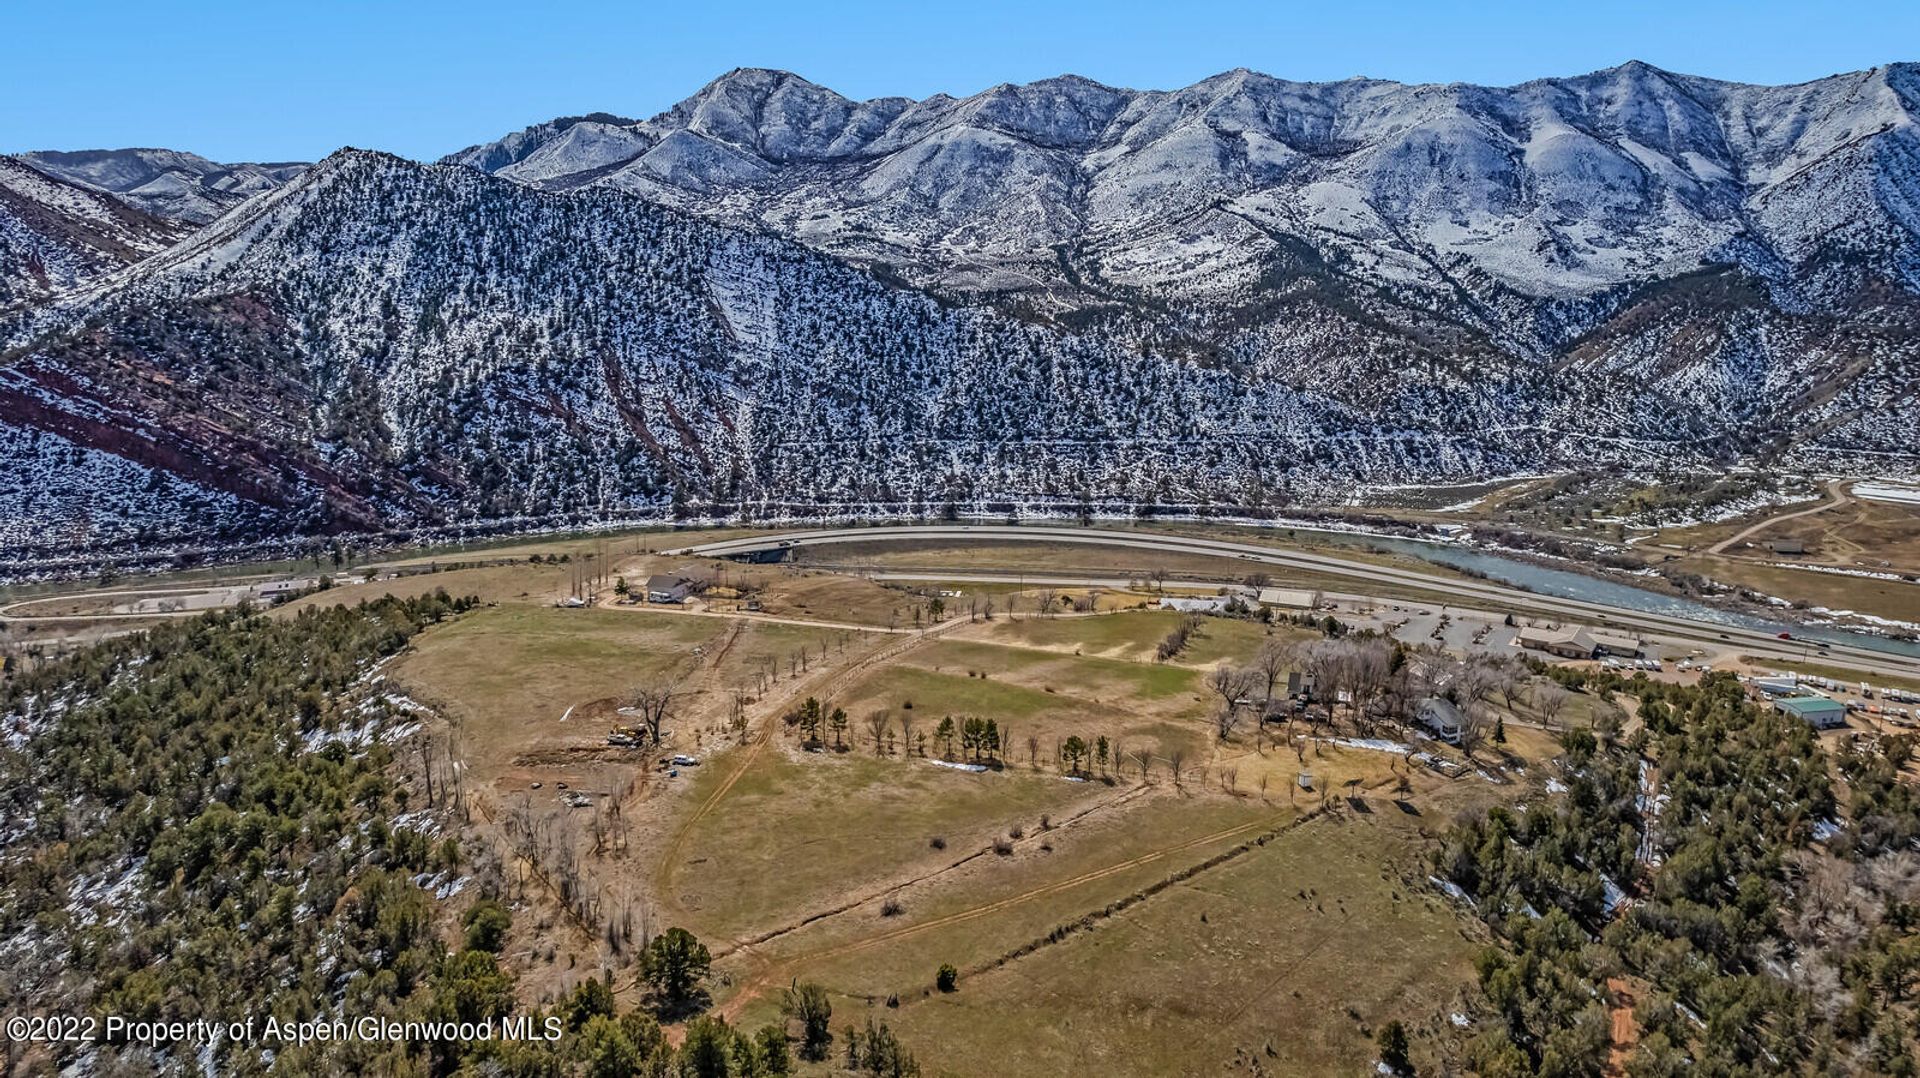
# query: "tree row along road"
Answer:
x=1753 y=640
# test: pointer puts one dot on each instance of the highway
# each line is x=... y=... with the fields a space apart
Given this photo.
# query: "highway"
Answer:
x=1664 y=627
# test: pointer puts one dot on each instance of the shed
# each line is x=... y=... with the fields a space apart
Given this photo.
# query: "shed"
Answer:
x=276 y=590
x=1212 y=604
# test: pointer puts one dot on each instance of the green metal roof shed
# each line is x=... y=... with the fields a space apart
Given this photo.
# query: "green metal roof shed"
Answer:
x=1822 y=712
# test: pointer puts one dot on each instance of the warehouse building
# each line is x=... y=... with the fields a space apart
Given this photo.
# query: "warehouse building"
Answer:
x=1823 y=712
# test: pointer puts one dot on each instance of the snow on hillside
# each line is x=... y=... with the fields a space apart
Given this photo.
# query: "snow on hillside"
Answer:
x=55 y=235
x=1552 y=188
x=1247 y=292
x=382 y=342
x=166 y=183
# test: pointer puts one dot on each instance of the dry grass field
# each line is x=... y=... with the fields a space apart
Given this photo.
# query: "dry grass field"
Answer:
x=1860 y=536
x=1183 y=906
x=1124 y=564
x=824 y=865
x=1861 y=531
x=508 y=676
x=799 y=836
x=1894 y=599
x=1288 y=957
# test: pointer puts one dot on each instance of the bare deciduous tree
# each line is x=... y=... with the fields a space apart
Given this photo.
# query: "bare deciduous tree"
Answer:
x=877 y=724
x=1234 y=685
x=1474 y=724
x=1271 y=662
x=652 y=705
x=1478 y=681
x=1550 y=699
x=737 y=715
x=1512 y=683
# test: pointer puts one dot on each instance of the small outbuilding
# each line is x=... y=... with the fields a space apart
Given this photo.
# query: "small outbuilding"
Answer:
x=1209 y=604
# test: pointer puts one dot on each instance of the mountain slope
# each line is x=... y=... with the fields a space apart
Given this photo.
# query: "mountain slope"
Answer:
x=56 y=235
x=165 y=183
x=1548 y=190
x=384 y=344
x=1247 y=293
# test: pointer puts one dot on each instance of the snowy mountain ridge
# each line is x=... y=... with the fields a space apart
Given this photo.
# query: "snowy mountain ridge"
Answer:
x=56 y=235
x=166 y=183
x=773 y=299
x=1519 y=198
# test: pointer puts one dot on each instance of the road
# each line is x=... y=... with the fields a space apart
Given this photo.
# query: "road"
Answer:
x=1839 y=498
x=210 y=597
x=1664 y=626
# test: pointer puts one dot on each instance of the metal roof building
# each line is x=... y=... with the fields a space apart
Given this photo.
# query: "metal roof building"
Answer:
x=1824 y=713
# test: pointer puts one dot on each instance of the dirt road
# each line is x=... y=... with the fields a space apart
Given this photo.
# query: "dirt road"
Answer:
x=1838 y=497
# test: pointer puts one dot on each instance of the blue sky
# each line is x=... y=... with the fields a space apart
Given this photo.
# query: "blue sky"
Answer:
x=294 y=80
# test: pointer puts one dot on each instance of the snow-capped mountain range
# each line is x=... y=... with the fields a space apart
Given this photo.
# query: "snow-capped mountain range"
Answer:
x=1247 y=292
x=1557 y=188
x=166 y=183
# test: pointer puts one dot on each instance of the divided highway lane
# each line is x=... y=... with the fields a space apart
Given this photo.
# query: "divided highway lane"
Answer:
x=1755 y=641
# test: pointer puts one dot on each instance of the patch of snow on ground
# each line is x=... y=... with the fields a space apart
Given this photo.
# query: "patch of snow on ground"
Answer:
x=1374 y=744
x=426 y=821
x=1887 y=492
x=1614 y=896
